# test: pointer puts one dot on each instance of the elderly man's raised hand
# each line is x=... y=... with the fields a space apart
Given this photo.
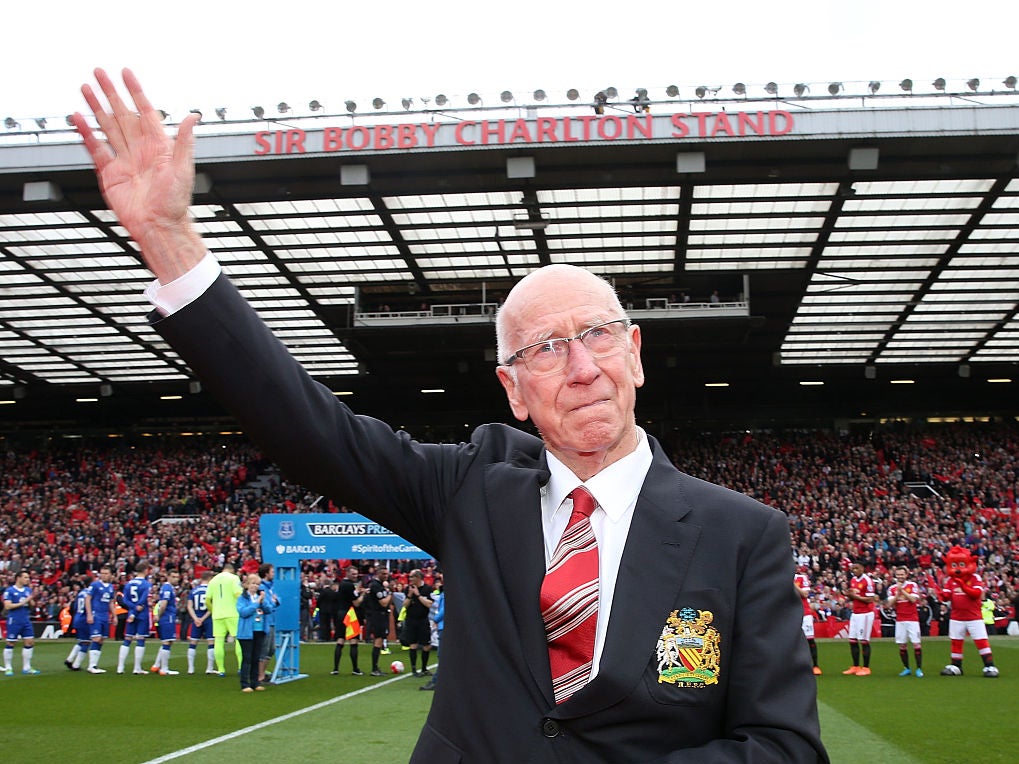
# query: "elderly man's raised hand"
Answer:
x=145 y=175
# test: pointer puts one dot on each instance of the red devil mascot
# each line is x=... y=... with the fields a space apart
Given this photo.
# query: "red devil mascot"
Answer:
x=964 y=589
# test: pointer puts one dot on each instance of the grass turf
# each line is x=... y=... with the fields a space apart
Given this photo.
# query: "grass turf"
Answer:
x=128 y=719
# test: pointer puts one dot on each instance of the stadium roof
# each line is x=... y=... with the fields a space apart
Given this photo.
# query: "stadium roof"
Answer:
x=855 y=245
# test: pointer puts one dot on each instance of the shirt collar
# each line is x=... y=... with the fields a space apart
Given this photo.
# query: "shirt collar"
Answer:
x=615 y=488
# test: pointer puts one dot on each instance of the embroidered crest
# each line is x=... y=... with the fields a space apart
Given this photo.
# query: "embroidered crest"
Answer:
x=287 y=529
x=689 y=649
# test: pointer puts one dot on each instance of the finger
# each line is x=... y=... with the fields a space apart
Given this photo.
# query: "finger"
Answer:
x=107 y=123
x=151 y=120
x=126 y=119
x=184 y=146
x=100 y=152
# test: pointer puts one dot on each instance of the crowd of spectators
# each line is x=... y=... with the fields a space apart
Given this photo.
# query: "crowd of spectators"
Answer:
x=884 y=498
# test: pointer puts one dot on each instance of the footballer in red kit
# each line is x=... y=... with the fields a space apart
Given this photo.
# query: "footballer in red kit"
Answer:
x=861 y=622
x=801 y=582
x=903 y=596
x=964 y=589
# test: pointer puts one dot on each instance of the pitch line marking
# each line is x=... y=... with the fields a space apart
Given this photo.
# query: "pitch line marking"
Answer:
x=269 y=722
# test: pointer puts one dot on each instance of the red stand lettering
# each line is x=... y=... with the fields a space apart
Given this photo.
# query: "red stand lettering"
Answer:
x=636 y=123
x=521 y=132
x=568 y=130
x=487 y=131
x=405 y=138
x=384 y=137
x=780 y=122
x=332 y=139
x=431 y=130
x=587 y=119
x=747 y=124
x=721 y=124
x=460 y=138
x=617 y=127
x=262 y=143
x=702 y=118
x=358 y=137
x=682 y=129
x=278 y=143
x=546 y=129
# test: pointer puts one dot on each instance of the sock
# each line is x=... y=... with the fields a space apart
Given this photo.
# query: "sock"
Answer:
x=122 y=654
x=191 y=657
x=337 y=652
x=82 y=653
x=8 y=656
x=424 y=659
x=813 y=651
x=918 y=654
x=353 y=657
x=26 y=658
x=93 y=654
x=854 y=650
x=866 y=654
x=904 y=655
x=164 y=657
x=376 y=652
x=72 y=656
x=413 y=659
x=211 y=660
x=139 y=654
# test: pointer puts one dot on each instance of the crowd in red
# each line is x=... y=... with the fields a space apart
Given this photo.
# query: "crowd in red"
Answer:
x=883 y=498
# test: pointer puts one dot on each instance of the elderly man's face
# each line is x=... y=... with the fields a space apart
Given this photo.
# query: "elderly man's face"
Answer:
x=586 y=410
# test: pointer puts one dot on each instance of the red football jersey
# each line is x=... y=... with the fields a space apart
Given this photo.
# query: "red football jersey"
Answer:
x=864 y=587
x=803 y=582
x=904 y=610
x=964 y=607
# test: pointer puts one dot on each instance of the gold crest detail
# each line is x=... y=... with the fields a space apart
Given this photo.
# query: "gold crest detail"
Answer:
x=689 y=649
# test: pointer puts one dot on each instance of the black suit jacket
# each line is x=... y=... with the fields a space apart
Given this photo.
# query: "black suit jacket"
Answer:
x=693 y=548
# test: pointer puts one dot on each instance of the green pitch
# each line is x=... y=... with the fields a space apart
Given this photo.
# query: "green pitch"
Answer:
x=133 y=719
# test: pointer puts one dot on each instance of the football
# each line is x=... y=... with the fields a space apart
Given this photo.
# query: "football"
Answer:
x=950 y=670
x=990 y=671
x=396 y=667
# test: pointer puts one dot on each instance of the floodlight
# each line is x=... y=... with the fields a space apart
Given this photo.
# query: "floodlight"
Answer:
x=672 y=91
x=198 y=112
x=350 y=106
x=69 y=121
x=473 y=99
x=611 y=92
x=221 y=112
x=701 y=91
x=834 y=88
x=1009 y=82
x=539 y=95
x=505 y=96
x=41 y=123
x=874 y=86
x=907 y=85
x=378 y=103
x=939 y=83
x=441 y=99
x=739 y=89
x=163 y=115
x=799 y=89
x=771 y=88
x=282 y=107
x=315 y=105
x=407 y=103
x=973 y=84
x=572 y=94
x=258 y=111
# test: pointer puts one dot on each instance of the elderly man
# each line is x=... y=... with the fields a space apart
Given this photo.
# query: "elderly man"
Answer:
x=628 y=612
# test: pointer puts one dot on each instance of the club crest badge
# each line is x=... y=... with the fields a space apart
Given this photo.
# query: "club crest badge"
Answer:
x=287 y=529
x=689 y=649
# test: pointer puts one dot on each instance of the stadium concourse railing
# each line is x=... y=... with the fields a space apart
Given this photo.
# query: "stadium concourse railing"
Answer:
x=484 y=312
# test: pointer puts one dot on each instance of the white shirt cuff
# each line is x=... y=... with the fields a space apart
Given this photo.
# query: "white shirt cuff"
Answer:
x=182 y=291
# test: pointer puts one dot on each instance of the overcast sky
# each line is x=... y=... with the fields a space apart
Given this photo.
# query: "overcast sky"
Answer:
x=208 y=53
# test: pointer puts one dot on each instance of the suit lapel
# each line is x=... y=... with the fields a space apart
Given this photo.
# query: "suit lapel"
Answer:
x=520 y=553
x=658 y=551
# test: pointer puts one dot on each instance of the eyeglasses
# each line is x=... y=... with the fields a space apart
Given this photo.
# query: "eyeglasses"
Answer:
x=550 y=356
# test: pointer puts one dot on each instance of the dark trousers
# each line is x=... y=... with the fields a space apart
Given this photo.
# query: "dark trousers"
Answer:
x=250 y=650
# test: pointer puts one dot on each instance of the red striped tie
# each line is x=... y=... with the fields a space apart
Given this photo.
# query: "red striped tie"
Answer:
x=569 y=600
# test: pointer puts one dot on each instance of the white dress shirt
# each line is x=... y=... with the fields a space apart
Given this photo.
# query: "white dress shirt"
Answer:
x=615 y=491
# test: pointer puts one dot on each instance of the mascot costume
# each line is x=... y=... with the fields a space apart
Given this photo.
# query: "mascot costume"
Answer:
x=964 y=589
